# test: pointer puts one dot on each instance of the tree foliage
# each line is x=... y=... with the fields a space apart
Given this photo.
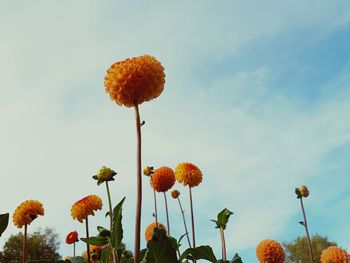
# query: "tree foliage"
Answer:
x=42 y=244
x=297 y=250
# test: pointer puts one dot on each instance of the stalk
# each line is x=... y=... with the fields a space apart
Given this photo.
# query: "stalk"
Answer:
x=155 y=205
x=167 y=213
x=223 y=244
x=192 y=219
x=139 y=188
x=307 y=231
x=110 y=208
x=87 y=236
x=25 y=255
x=184 y=220
x=74 y=249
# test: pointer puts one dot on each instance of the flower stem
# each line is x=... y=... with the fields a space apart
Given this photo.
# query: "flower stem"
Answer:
x=155 y=205
x=307 y=231
x=139 y=188
x=74 y=249
x=167 y=213
x=223 y=244
x=110 y=207
x=87 y=236
x=24 y=259
x=192 y=219
x=184 y=220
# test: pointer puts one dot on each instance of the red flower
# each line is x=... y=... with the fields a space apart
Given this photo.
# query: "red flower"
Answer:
x=72 y=237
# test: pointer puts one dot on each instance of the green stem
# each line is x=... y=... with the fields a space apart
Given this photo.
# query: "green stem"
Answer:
x=139 y=188
x=110 y=207
x=184 y=220
x=223 y=244
x=192 y=219
x=74 y=249
x=167 y=213
x=307 y=231
x=87 y=236
x=155 y=205
x=24 y=257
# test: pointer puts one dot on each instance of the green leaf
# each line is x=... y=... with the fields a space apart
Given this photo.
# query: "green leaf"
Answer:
x=222 y=218
x=179 y=241
x=160 y=249
x=106 y=254
x=95 y=241
x=95 y=177
x=103 y=232
x=127 y=260
x=4 y=221
x=236 y=259
x=201 y=252
x=117 y=231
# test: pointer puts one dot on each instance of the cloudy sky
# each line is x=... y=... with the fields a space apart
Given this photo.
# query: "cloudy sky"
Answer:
x=257 y=95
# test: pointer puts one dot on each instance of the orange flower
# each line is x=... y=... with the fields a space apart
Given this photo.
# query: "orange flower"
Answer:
x=26 y=212
x=188 y=174
x=175 y=194
x=151 y=227
x=270 y=251
x=72 y=237
x=95 y=252
x=304 y=191
x=86 y=206
x=335 y=254
x=163 y=179
x=135 y=80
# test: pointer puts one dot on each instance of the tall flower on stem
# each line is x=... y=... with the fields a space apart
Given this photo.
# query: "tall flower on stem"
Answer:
x=335 y=254
x=130 y=83
x=151 y=227
x=72 y=238
x=270 y=251
x=24 y=214
x=175 y=194
x=189 y=174
x=162 y=180
x=303 y=192
x=82 y=209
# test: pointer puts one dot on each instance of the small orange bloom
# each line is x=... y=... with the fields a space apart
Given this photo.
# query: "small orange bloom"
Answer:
x=135 y=80
x=270 y=251
x=72 y=237
x=188 y=174
x=304 y=191
x=95 y=253
x=175 y=194
x=26 y=212
x=163 y=179
x=335 y=254
x=151 y=227
x=86 y=206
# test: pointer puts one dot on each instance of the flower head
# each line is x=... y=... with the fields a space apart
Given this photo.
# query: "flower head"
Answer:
x=135 y=80
x=188 y=174
x=163 y=179
x=105 y=174
x=26 y=212
x=148 y=170
x=302 y=191
x=95 y=252
x=270 y=251
x=151 y=227
x=86 y=206
x=72 y=237
x=335 y=254
x=175 y=194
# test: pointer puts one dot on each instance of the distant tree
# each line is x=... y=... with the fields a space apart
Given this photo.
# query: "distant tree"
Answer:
x=297 y=250
x=42 y=244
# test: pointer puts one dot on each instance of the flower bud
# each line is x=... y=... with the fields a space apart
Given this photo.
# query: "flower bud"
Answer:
x=304 y=191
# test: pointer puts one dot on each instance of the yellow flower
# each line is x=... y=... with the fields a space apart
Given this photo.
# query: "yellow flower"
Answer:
x=270 y=251
x=86 y=206
x=151 y=227
x=304 y=192
x=135 y=80
x=163 y=179
x=335 y=254
x=175 y=194
x=105 y=174
x=188 y=174
x=26 y=212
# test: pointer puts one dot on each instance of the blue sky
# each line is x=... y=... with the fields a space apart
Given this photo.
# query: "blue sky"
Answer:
x=257 y=95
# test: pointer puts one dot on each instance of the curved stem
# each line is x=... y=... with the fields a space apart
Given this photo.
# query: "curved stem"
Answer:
x=167 y=213
x=307 y=231
x=25 y=250
x=139 y=188
x=192 y=219
x=223 y=244
x=110 y=207
x=87 y=236
x=184 y=220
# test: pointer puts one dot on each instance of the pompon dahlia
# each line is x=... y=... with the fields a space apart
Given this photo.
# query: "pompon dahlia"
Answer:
x=270 y=251
x=26 y=212
x=188 y=174
x=151 y=227
x=72 y=237
x=175 y=194
x=335 y=254
x=86 y=206
x=135 y=80
x=163 y=179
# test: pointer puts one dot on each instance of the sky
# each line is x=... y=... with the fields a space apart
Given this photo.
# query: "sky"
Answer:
x=257 y=95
